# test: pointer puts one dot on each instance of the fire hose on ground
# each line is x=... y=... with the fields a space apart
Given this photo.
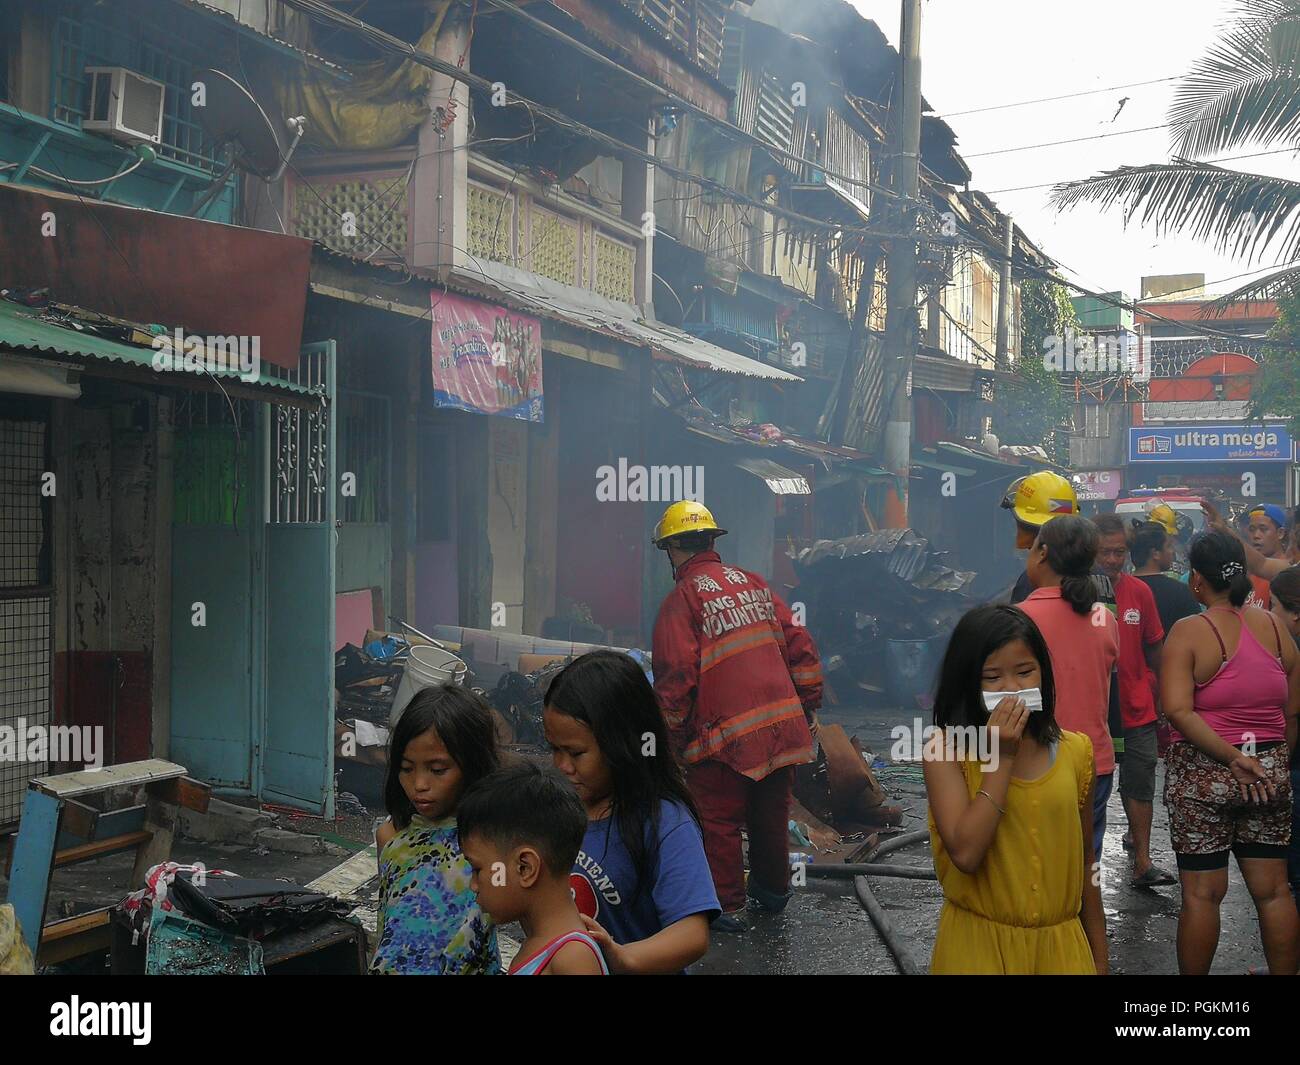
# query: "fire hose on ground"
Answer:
x=903 y=957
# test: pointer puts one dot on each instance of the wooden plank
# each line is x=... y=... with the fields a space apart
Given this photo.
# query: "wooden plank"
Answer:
x=82 y=922
x=348 y=876
x=33 y=855
x=70 y=785
x=79 y=819
x=108 y=823
x=75 y=937
x=182 y=791
x=101 y=847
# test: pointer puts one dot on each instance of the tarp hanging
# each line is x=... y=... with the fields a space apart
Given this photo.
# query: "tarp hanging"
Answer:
x=379 y=107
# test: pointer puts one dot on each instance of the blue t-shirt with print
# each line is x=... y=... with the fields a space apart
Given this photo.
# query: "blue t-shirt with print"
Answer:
x=604 y=879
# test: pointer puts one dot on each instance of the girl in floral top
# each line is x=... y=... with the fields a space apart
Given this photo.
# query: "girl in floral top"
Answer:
x=429 y=920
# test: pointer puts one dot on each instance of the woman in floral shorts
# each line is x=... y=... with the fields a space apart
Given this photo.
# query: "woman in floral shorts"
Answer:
x=1230 y=686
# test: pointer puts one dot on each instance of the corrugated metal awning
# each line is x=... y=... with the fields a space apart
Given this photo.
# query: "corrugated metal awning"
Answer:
x=22 y=329
x=587 y=310
x=944 y=375
x=781 y=481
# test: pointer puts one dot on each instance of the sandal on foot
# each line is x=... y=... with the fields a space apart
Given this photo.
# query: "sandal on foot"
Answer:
x=1153 y=877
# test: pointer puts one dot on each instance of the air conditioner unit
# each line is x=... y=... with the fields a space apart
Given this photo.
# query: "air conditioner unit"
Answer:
x=124 y=105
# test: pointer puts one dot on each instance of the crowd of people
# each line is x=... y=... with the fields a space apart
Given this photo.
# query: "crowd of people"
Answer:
x=1098 y=668
x=623 y=854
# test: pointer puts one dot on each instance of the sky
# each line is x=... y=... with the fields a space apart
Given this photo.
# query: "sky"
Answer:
x=988 y=53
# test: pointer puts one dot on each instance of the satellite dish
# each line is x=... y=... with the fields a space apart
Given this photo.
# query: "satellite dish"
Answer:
x=234 y=120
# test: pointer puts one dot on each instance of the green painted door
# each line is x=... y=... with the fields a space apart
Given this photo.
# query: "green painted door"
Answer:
x=297 y=634
x=214 y=513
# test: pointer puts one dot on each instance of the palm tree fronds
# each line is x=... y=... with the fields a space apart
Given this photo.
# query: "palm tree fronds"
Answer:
x=1240 y=213
x=1236 y=95
x=1284 y=281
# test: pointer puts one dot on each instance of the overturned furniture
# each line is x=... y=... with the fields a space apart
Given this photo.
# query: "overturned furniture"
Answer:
x=66 y=820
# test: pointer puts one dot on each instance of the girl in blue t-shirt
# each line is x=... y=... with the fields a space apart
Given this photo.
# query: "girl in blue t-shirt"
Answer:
x=641 y=880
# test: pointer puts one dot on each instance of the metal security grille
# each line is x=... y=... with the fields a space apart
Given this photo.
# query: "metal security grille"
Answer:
x=1172 y=356
x=363 y=453
x=212 y=459
x=300 y=447
x=24 y=599
x=157 y=40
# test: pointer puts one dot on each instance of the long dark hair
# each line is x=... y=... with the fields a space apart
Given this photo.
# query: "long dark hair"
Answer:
x=608 y=693
x=982 y=631
x=1071 y=544
x=1221 y=561
x=463 y=722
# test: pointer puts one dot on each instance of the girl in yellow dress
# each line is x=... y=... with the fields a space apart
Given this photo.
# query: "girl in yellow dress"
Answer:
x=1010 y=810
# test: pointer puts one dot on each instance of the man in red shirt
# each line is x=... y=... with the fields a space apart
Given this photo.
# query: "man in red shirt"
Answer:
x=1140 y=639
x=739 y=684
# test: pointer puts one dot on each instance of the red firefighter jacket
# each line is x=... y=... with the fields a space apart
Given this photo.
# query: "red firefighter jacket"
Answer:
x=734 y=675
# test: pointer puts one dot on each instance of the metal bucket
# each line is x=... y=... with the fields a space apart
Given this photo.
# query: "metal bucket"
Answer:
x=425 y=667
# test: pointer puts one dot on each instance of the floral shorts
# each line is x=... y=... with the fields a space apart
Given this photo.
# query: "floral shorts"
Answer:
x=1207 y=817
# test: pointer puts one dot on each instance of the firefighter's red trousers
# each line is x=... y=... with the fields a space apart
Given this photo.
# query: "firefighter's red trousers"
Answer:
x=728 y=802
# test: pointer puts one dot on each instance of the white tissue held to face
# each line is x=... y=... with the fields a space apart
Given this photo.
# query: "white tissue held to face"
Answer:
x=1033 y=699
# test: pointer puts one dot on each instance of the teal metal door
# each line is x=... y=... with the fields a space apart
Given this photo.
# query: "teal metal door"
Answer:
x=296 y=647
x=215 y=514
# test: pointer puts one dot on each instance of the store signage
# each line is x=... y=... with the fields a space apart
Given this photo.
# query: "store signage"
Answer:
x=1210 y=443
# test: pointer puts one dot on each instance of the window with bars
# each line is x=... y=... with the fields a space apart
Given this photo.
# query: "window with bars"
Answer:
x=692 y=27
x=25 y=565
x=212 y=460
x=150 y=37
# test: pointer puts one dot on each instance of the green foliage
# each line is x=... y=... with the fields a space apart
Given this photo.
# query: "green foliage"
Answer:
x=1030 y=406
x=1276 y=389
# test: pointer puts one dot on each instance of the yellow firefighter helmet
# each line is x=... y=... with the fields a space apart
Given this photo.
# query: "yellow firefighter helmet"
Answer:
x=685 y=516
x=1163 y=514
x=1039 y=497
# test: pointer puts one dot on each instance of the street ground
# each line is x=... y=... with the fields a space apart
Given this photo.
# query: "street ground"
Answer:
x=823 y=931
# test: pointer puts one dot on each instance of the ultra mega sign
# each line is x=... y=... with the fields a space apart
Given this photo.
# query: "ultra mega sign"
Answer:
x=1210 y=443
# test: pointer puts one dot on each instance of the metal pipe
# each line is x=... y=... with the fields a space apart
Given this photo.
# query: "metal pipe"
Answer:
x=844 y=872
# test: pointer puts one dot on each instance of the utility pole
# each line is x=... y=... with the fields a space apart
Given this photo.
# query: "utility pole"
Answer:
x=1002 y=357
x=900 y=320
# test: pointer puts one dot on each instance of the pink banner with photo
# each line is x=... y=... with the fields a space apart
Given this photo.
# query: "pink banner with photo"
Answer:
x=486 y=359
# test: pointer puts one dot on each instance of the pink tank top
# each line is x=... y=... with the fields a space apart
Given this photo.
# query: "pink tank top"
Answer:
x=1247 y=696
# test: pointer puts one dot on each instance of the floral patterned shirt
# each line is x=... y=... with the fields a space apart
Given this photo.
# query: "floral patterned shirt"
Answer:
x=429 y=920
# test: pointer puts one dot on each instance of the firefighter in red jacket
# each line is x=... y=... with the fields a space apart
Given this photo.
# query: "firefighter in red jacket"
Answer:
x=739 y=684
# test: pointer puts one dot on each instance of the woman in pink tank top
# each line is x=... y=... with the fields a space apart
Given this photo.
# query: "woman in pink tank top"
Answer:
x=1230 y=686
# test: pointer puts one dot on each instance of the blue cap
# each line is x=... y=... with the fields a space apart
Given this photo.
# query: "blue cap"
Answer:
x=1271 y=511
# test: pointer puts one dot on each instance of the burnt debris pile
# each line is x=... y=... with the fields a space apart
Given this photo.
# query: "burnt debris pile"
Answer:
x=880 y=607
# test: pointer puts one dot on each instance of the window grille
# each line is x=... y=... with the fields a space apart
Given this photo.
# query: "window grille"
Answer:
x=24 y=596
x=158 y=40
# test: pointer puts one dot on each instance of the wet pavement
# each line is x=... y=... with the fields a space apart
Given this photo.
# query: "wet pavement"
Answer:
x=825 y=930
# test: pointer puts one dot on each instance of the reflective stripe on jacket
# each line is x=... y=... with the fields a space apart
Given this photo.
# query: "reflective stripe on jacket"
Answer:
x=735 y=676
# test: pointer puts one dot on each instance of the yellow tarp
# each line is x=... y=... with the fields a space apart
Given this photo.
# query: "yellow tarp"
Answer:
x=379 y=107
x=15 y=958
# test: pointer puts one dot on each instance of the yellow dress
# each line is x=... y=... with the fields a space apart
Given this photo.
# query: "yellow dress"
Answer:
x=1019 y=912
